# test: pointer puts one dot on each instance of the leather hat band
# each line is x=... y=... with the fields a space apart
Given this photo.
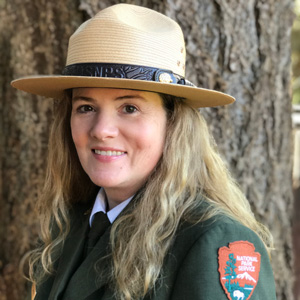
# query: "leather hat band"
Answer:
x=124 y=71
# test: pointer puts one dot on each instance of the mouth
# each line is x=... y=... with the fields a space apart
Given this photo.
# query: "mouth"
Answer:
x=108 y=153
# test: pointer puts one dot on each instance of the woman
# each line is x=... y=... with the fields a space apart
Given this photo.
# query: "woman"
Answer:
x=128 y=140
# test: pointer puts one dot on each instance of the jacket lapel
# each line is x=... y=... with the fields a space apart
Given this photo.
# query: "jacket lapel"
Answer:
x=86 y=284
x=86 y=279
x=77 y=279
x=72 y=253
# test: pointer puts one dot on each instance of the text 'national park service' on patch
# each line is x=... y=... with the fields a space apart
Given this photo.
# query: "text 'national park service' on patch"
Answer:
x=239 y=267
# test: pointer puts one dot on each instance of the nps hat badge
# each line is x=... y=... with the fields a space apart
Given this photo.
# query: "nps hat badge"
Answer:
x=239 y=269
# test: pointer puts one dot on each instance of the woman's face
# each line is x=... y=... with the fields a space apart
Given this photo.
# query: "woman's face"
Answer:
x=119 y=136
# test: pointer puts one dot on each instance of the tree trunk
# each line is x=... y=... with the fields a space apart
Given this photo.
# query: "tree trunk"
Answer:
x=239 y=47
x=33 y=40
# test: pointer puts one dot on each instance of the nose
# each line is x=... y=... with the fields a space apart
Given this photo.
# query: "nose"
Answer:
x=104 y=126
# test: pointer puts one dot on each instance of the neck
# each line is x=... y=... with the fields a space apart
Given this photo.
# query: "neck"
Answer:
x=113 y=198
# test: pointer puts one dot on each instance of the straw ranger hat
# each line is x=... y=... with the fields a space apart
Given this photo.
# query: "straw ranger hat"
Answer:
x=129 y=47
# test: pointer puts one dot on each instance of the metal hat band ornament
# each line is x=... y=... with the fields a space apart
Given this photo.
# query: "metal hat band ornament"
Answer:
x=128 y=47
x=125 y=71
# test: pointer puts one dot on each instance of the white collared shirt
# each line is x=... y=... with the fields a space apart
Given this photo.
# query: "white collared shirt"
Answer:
x=100 y=205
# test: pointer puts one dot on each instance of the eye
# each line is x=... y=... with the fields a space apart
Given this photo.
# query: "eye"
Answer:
x=84 y=109
x=129 y=109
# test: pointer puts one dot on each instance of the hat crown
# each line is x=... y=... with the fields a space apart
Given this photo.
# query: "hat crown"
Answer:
x=126 y=47
x=129 y=34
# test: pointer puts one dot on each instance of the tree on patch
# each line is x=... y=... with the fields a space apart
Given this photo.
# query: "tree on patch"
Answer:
x=230 y=273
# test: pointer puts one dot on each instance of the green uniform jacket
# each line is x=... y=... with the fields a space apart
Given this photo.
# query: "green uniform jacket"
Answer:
x=190 y=270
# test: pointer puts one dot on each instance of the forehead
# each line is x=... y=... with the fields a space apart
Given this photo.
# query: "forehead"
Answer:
x=108 y=93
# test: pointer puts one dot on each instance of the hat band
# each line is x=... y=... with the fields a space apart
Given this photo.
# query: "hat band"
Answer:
x=125 y=71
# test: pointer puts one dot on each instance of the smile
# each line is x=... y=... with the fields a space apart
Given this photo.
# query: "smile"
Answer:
x=109 y=153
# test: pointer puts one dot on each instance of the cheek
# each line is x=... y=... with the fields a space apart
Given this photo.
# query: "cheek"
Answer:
x=151 y=140
x=159 y=135
x=77 y=133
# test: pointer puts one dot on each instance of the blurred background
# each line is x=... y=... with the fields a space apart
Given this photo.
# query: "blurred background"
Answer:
x=295 y=41
x=245 y=48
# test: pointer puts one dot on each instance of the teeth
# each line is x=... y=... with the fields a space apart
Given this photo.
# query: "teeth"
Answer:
x=109 y=153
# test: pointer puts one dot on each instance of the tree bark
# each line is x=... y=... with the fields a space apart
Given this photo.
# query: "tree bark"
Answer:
x=33 y=40
x=239 y=47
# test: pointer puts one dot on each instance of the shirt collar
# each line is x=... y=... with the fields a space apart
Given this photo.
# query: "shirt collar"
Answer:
x=100 y=205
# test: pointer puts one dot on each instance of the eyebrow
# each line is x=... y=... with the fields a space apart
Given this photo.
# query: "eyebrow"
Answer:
x=77 y=98
x=89 y=99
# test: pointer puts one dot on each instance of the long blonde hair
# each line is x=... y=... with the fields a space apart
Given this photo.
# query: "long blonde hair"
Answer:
x=190 y=171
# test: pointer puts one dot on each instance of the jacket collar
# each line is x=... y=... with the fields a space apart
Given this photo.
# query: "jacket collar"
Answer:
x=82 y=280
x=75 y=278
x=85 y=280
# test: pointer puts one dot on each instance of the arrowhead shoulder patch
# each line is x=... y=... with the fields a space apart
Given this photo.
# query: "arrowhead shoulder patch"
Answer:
x=239 y=267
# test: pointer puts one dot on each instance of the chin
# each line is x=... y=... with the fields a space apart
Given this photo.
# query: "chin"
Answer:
x=105 y=183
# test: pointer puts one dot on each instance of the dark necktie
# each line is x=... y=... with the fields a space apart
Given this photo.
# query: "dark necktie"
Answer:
x=99 y=225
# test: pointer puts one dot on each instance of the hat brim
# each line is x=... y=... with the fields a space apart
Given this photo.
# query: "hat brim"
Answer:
x=54 y=87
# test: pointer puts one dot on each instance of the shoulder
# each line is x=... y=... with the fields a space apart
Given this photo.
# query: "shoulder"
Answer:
x=218 y=257
x=217 y=231
x=205 y=239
